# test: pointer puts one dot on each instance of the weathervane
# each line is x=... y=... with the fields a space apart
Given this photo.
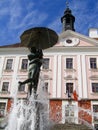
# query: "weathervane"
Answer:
x=67 y=4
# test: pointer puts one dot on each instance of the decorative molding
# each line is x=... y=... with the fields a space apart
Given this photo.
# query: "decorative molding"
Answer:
x=94 y=77
x=46 y=70
x=70 y=70
x=70 y=77
x=47 y=77
x=94 y=70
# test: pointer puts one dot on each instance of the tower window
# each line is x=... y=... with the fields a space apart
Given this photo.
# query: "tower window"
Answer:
x=67 y=20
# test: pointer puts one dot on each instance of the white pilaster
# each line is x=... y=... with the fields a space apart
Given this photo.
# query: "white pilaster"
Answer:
x=55 y=77
x=1 y=65
x=14 y=78
x=84 y=76
x=79 y=65
x=59 y=78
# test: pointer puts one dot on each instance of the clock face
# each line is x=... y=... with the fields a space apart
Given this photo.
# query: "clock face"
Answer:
x=70 y=41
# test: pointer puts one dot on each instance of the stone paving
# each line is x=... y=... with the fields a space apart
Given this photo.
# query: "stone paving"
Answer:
x=71 y=126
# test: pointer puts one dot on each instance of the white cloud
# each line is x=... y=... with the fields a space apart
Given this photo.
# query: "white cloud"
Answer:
x=20 y=16
x=32 y=18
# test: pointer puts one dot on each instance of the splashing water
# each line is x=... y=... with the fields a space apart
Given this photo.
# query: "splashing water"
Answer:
x=29 y=114
x=33 y=113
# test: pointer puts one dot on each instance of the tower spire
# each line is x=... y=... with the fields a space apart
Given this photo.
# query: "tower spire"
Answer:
x=68 y=19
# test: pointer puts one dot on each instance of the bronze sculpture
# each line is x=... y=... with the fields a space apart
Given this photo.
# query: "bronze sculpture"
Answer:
x=35 y=58
x=36 y=39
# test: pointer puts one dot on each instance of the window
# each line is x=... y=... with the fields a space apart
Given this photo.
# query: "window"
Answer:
x=9 y=64
x=96 y=126
x=5 y=86
x=45 y=88
x=69 y=110
x=21 y=88
x=46 y=63
x=93 y=64
x=2 y=109
x=68 y=20
x=95 y=109
x=24 y=64
x=94 y=87
x=69 y=63
x=69 y=87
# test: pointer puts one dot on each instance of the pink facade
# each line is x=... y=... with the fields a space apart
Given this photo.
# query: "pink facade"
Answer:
x=69 y=66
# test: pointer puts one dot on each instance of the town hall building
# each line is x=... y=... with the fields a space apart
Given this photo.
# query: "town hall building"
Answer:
x=69 y=70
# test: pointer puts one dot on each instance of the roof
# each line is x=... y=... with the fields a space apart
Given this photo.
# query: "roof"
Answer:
x=61 y=36
x=12 y=45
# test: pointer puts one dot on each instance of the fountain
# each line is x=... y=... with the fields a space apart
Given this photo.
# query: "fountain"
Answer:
x=32 y=114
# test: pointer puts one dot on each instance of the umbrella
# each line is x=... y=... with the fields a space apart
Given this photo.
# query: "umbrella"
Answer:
x=39 y=37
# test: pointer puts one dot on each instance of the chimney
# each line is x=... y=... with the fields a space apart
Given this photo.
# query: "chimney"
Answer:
x=93 y=33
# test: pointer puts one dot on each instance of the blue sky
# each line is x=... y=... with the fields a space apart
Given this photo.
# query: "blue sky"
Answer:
x=19 y=15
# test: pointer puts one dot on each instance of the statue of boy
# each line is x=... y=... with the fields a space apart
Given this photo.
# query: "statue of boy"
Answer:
x=35 y=63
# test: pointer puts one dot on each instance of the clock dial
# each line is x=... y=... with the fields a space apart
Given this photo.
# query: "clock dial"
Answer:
x=70 y=41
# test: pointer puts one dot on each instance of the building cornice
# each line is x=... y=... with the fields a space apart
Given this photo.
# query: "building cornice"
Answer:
x=15 y=50
x=71 y=49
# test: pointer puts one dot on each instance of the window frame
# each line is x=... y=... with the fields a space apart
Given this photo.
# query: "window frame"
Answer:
x=22 y=91
x=46 y=88
x=6 y=64
x=93 y=64
x=45 y=67
x=71 y=86
x=20 y=64
x=94 y=118
x=4 y=101
x=93 y=88
x=8 y=87
x=21 y=68
x=69 y=65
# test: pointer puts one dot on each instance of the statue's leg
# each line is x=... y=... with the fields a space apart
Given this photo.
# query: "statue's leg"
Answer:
x=30 y=88
x=33 y=77
x=36 y=78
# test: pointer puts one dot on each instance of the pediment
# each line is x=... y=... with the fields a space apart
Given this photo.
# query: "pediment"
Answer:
x=70 y=38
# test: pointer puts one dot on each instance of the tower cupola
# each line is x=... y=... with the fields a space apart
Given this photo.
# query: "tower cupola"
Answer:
x=68 y=20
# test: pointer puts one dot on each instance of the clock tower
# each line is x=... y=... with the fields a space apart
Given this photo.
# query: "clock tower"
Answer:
x=68 y=20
